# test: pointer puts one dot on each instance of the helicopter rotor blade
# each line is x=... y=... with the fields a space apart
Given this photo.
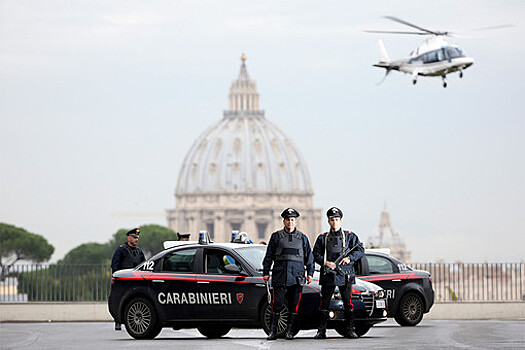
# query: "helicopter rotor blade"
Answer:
x=490 y=28
x=398 y=20
x=395 y=32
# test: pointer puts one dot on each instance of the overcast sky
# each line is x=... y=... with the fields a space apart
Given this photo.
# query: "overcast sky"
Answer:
x=101 y=100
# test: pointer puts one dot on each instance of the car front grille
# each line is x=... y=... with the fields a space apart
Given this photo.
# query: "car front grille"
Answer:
x=368 y=300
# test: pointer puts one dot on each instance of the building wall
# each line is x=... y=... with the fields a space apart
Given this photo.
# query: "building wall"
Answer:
x=242 y=211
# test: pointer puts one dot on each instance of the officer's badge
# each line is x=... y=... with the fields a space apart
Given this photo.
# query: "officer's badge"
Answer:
x=240 y=297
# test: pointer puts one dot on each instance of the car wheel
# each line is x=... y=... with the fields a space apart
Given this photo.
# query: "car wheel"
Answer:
x=140 y=319
x=341 y=329
x=410 y=310
x=214 y=331
x=362 y=329
x=281 y=324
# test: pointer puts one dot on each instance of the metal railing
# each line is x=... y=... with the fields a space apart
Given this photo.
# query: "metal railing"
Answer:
x=456 y=282
x=56 y=282
x=476 y=282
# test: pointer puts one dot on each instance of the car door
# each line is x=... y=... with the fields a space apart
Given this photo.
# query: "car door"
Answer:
x=232 y=293
x=383 y=272
x=174 y=284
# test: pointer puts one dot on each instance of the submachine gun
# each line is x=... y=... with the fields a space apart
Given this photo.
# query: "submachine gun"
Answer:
x=342 y=255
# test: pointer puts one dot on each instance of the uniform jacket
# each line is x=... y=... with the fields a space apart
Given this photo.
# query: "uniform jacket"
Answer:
x=319 y=251
x=284 y=273
x=123 y=260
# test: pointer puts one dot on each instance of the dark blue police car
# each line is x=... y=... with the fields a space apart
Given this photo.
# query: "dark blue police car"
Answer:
x=215 y=287
x=409 y=292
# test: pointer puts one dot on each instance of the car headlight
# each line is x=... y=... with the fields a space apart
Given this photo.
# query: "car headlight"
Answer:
x=380 y=294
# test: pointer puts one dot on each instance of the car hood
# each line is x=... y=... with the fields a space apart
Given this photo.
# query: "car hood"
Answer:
x=364 y=286
x=360 y=285
x=422 y=272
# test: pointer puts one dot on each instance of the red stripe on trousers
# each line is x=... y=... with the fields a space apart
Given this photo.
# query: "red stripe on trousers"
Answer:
x=297 y=307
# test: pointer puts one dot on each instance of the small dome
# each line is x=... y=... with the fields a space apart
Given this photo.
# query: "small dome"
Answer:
x=243 y=151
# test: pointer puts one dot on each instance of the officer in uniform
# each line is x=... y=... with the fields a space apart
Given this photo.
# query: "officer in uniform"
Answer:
x=289 y=251
x=183 y=236
x=128 y=255
x=327 y=249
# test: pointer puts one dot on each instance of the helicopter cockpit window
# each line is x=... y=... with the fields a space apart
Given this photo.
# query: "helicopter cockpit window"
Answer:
x=453 y=52
x=430 y=57
x=441 y=55
x=416 y=59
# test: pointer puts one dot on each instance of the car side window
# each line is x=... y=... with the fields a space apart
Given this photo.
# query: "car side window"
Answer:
x=378 y=265
x=358 y=268
x=216 y=260
x=179 y=261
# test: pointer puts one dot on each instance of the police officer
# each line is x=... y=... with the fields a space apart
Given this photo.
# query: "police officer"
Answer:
x=328 y=247
x=289 y=251
x=128 y=255
x=183 y=236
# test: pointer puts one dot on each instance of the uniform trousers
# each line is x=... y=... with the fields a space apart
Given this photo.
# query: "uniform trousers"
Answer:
x=292 y=294
x=346 y=295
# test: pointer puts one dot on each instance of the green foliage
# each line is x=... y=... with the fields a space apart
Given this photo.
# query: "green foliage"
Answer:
x=151 y=242
x=84 y=273
x=88 y=253
x=58 y=282
x=452 y=294
x=18 y=243
x=151 y=238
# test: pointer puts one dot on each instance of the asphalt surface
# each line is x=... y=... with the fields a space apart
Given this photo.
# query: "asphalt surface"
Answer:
x=430 y=334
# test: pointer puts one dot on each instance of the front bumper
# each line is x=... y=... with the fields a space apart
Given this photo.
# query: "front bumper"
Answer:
x=367 y=309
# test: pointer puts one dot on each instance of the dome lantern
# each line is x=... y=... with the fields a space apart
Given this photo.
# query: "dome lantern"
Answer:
x=243 y=97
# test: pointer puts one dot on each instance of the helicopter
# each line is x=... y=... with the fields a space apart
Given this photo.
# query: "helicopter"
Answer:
x=435 y=57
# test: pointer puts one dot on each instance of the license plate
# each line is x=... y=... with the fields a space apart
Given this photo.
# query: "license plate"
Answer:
x=380 y=304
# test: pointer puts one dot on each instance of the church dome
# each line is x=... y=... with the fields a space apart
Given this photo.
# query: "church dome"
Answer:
x=243 y=152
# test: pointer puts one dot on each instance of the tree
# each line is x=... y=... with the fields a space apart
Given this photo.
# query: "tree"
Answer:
x=151 y=239
x=88 y=253
x=151 y=242
x=17 y=244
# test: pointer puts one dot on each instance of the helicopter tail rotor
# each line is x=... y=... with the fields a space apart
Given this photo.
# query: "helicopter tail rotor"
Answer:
x=384 y=77
x=383 y=55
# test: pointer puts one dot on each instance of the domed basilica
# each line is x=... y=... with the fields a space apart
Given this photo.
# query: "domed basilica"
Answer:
x=241 y=173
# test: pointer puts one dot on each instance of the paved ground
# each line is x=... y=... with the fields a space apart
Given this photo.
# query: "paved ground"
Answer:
x=429 y=334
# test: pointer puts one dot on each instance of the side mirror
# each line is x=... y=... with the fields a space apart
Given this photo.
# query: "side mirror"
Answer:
x=233 y=269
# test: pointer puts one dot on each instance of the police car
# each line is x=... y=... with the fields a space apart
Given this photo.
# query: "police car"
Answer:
x=409 y=292
x=216 y=286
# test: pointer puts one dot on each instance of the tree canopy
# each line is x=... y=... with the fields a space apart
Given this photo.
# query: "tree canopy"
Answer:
x=151 y=242
x=18 y=244
x=88 y=253
x=151 y=238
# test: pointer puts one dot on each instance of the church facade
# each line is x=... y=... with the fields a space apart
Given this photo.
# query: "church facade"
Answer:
x=241 y=173
x=387 y=238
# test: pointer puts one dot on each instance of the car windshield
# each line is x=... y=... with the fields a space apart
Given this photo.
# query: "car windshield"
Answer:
x=254 y=254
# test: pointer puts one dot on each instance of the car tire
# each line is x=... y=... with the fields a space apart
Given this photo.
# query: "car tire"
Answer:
x=140 y=319
x=214 y=331
x=362 y=329
x=281 y=325
x=410 y=310
x=341 y=329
